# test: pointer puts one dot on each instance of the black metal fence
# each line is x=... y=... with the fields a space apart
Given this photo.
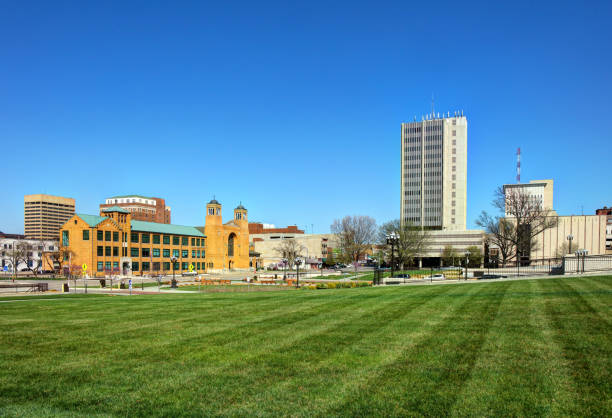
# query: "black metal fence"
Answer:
x=564 y=265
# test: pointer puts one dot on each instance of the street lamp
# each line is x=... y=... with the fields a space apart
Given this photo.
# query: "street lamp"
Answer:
x=392 y=239
x=298 y=261
x=579 y=253
x=570 y=237
x=173 y=277
x=467 y=260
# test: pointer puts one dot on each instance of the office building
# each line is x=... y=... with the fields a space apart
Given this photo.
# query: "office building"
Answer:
x=608 y=213
x=539 y=191
x=44 y=215
x=434 y=172
x=142 y=208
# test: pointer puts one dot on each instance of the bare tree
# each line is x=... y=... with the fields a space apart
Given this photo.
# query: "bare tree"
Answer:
x=413 y=241
x=16 y=254
x=524 y=219
x=60 y=257
x=500 y=233
x=564 y=249
x=290 y=250
x=355 y=236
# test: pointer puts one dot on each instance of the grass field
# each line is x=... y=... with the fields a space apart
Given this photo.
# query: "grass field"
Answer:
x=538 y=347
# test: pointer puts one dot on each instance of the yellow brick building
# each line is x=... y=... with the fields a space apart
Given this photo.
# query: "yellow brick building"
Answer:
x=114 y=244
x=227 y=245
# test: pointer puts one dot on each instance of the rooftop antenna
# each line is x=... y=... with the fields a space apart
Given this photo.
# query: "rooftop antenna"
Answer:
x=518 y=165
x=432 y=105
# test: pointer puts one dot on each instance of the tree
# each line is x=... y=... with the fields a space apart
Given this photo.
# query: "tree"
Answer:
x=475 y=257
x=61 y=256
x=450 y=256
x=290 y=250
x=564 y=249
x=413 y=241
x=524 y=219
x=499 y=233
x=354 y=235
x=329 y=260
x=16 y=254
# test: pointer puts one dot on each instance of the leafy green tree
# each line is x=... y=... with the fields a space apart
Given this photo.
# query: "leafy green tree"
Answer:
x=475 y=259
x=450 y=256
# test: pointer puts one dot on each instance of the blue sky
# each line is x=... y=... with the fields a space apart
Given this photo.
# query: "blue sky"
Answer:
x=294 y=109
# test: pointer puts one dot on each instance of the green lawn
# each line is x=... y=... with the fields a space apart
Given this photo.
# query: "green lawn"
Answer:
x=538 y=347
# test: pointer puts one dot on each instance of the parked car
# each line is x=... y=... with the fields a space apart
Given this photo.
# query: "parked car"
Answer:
x=402 y=276
x=439 y=276
x=492 y=276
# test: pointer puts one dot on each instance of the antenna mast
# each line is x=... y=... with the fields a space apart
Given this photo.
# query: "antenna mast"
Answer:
x=518 y=165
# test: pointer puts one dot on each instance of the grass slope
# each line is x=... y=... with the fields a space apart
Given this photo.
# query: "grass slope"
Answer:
x=540 y=347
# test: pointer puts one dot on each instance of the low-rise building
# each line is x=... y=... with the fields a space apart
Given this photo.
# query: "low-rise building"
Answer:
x=31 y=253
x=114 y=243
x=588 y=232
x=142 y=208
x=607 y=212
x=458 y=240
x=315 y=247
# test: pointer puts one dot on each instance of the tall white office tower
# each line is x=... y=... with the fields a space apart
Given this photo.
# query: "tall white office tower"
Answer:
x=434 y=172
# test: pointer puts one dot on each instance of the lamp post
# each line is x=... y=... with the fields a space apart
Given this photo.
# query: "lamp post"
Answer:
x=467 y=260
x=173 y=259
x=298 y=261
x=570 y=238
x=579 y=253
x=284 y=260
x=392 y=239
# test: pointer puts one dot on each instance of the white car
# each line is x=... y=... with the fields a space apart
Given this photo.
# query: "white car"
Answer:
x=436 y=277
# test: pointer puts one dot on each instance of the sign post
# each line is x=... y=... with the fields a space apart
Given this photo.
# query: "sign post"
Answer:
x=84 y=267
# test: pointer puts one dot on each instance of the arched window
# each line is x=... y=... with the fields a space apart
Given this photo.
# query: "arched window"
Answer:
x=230 y=245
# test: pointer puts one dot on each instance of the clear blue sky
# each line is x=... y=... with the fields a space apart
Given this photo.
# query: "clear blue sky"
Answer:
x=295 y=108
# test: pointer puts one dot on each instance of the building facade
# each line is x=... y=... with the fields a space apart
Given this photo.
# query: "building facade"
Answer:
x=260 y=228
x=588 y=233
x=227 y=244
x=315 y=247
x=43 y=215
x=434 y=172
x=112 y=243
x=142 y=208
x=540 y=191
x=31 y=255
x=607 y=212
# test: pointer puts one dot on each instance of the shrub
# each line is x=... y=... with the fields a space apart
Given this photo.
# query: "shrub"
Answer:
x=331 y=285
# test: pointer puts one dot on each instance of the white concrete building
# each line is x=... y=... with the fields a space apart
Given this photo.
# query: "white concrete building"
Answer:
x=33 y=252
x=541 y=191
x=315 y=247
x=434 y=172
x=588 y=233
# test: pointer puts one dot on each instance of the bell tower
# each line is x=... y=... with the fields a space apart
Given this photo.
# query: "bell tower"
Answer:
x=213 y=213
x=241 y=219
x=240 y=215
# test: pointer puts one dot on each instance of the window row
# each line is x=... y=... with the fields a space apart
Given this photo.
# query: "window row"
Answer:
x=164 y=266
x=111 y=251
x=155 y=252
x=165 y=239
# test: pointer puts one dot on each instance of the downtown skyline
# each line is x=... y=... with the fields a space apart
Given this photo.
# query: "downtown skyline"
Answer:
x=294 y=112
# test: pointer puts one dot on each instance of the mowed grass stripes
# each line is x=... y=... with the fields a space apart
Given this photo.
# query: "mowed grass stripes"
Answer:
x=539 y=347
